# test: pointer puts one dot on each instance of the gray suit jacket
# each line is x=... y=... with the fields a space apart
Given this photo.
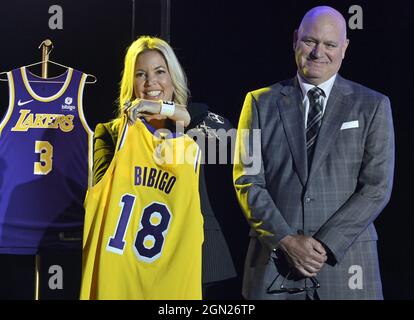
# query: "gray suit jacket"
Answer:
x=336 y=201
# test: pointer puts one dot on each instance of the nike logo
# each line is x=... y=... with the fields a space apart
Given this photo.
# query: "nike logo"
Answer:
x=22 y=103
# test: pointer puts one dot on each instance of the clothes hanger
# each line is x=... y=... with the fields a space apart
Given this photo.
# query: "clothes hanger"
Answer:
x=92 y=81
x=46 y=44
x=3 y=75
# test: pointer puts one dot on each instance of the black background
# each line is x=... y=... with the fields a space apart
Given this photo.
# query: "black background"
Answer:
x=228 y=48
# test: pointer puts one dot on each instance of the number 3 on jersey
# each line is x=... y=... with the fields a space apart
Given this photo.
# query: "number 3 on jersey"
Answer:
x=153 y=228
x=44 y=166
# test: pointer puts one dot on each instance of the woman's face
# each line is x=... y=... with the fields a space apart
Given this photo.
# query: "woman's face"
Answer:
x=152 y=78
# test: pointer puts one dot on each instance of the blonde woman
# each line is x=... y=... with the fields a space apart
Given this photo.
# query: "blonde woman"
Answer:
x=154 y=87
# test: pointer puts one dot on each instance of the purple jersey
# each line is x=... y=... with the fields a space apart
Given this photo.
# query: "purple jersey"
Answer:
x=45 y=159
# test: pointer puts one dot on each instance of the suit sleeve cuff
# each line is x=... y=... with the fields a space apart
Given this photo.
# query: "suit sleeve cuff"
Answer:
x=335 y=244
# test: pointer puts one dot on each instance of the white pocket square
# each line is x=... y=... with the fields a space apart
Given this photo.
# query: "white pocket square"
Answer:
x=350 y=125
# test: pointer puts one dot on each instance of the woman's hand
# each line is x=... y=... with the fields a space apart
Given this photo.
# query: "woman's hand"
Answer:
x=141 y=108
x=150 y=110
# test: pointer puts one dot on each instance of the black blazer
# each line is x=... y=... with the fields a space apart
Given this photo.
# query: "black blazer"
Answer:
x=217 y=261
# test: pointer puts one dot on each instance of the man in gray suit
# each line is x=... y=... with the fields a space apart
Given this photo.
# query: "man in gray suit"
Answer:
x=326 y=161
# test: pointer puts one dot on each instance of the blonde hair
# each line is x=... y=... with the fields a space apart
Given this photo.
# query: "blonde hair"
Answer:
x=178 y=77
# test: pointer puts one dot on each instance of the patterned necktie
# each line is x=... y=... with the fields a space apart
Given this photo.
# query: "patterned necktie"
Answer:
x=314 y=120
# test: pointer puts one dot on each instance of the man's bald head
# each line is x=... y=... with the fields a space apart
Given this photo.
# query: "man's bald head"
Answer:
x=326 y=13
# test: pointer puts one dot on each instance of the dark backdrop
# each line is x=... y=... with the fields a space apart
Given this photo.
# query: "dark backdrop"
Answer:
x=227 y=49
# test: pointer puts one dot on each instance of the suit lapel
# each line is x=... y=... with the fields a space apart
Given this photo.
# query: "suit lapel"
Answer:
x=293 y=123
x=338 y=106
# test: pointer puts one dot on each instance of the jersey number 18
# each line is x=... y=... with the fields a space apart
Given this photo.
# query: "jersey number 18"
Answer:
x=153 y=227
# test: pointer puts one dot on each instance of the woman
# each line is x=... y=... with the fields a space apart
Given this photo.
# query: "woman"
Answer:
x=152 y=74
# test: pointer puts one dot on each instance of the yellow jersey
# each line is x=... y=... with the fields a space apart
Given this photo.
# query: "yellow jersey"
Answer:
x=143 y=230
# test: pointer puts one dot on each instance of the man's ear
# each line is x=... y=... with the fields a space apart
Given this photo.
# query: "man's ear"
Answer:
x=295 y=39
x=344 y=47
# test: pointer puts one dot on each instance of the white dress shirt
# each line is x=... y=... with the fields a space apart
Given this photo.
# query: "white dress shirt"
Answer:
x=305 y=87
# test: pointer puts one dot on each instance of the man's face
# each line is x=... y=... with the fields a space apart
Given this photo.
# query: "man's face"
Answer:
x=320 y=45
